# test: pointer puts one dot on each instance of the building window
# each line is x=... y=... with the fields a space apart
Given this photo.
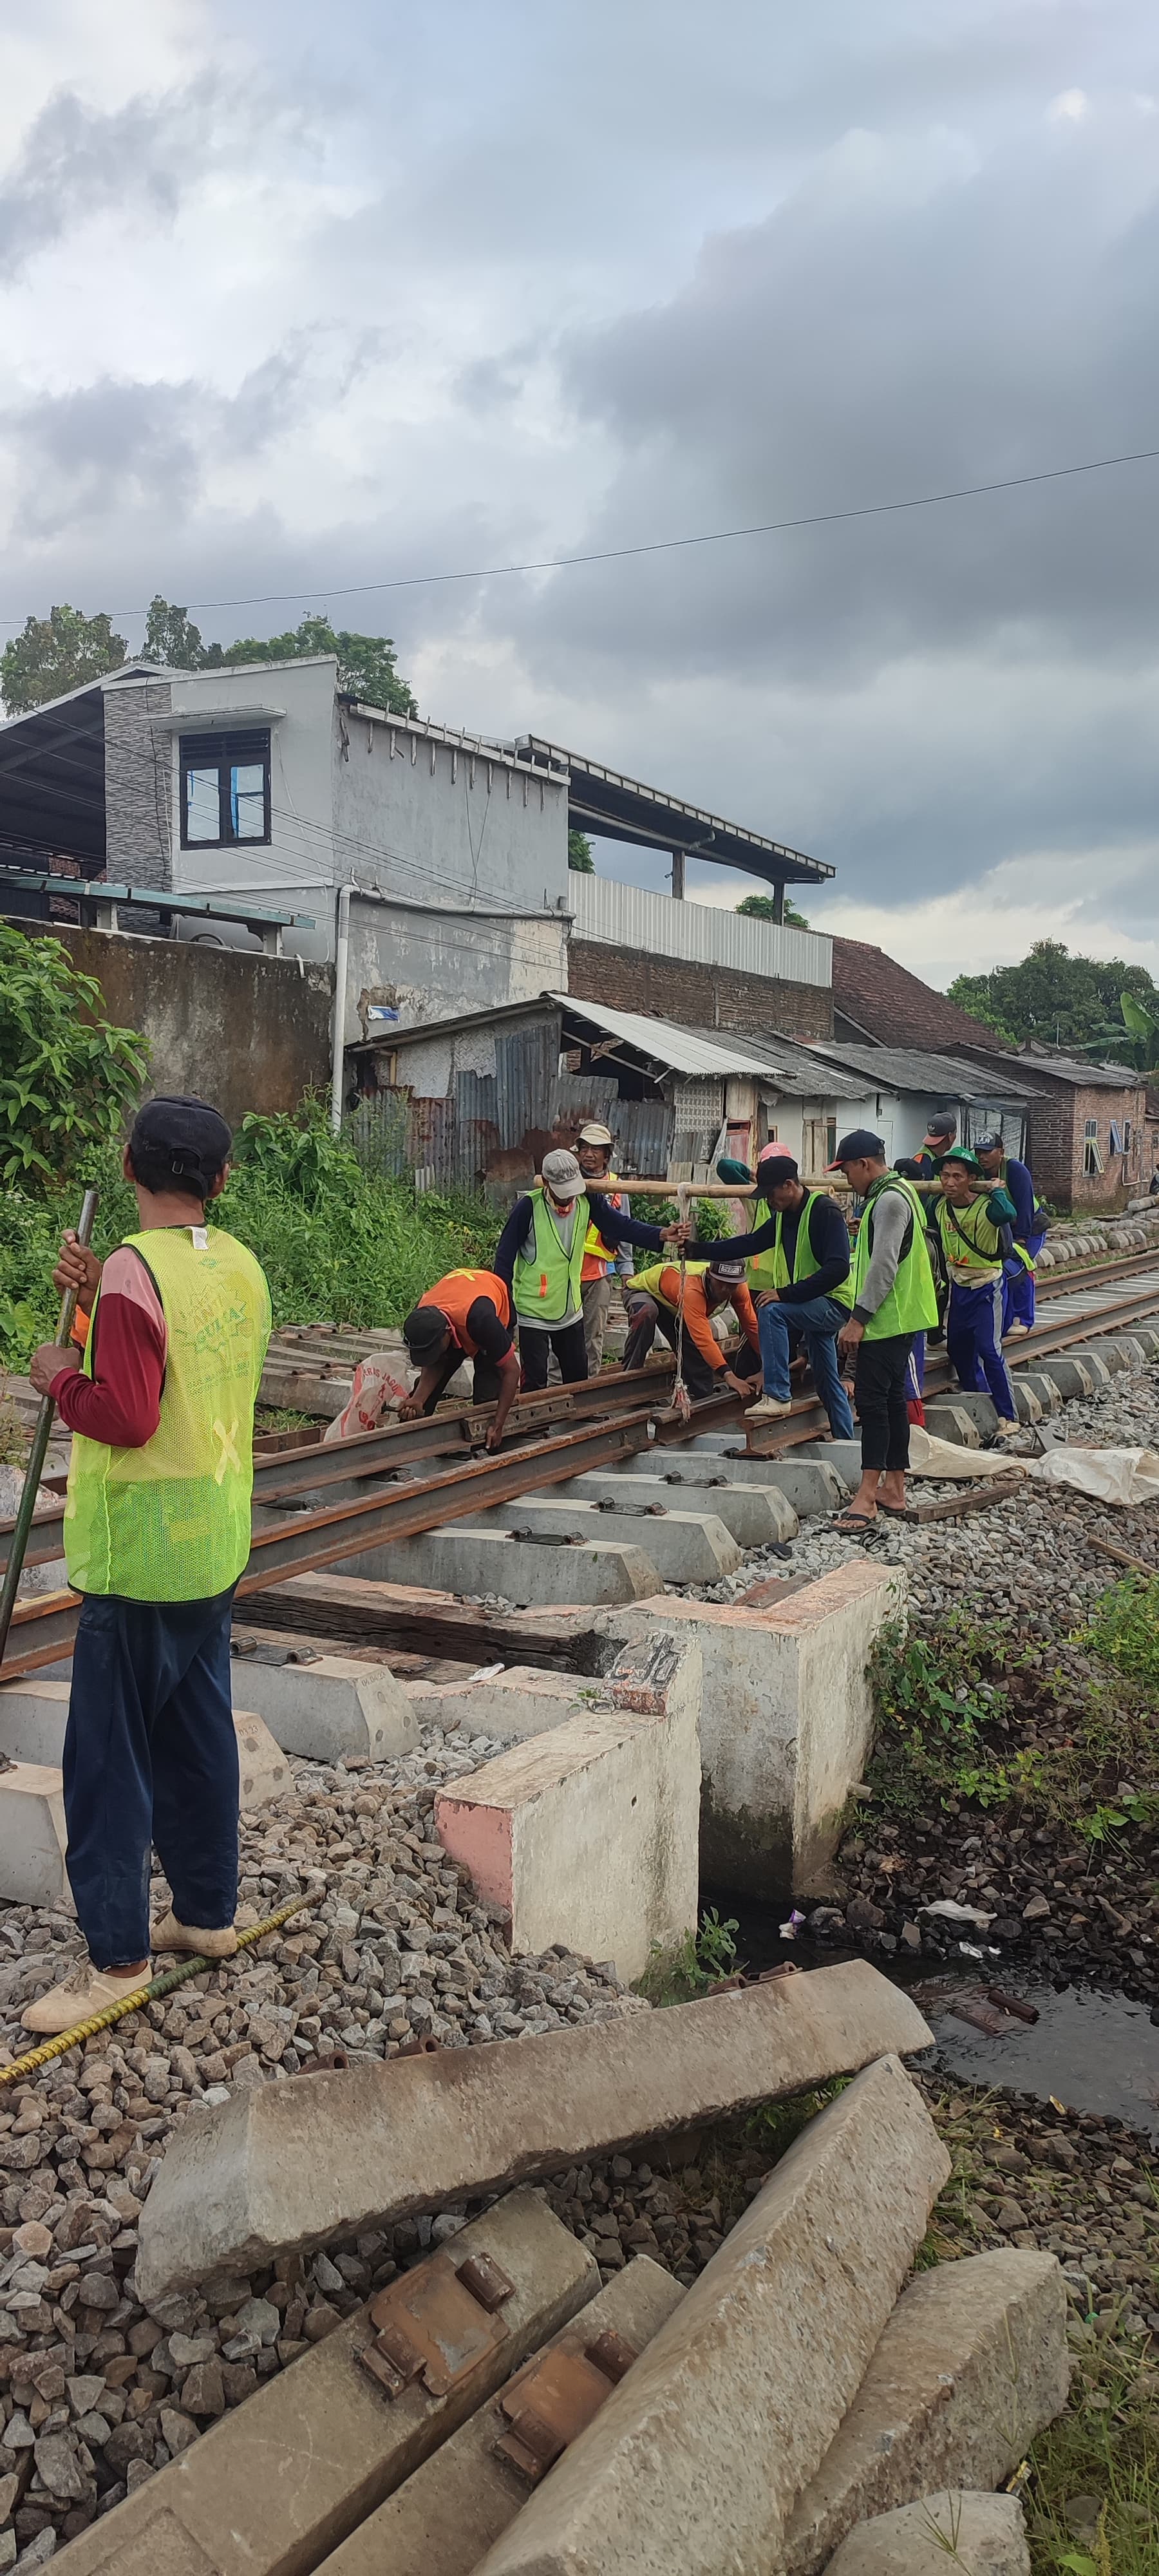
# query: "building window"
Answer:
x=225 y=790
x=1092 y=1151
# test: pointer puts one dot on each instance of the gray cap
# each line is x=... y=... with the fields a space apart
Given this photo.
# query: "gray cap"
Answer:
x=730 y=1270
x=562 y=1174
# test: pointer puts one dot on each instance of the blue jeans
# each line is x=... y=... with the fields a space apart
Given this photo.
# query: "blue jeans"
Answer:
x=974 y=1344
x=820 y=1320
x=150 y=1756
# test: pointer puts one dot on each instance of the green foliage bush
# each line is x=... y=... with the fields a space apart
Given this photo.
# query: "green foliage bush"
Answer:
x=67 y=1074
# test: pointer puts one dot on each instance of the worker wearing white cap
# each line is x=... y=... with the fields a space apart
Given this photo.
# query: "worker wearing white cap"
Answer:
x=594 y=1156
x=540 y=1255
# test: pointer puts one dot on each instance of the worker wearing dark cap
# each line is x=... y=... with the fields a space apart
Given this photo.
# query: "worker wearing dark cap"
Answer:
x=935 y=1145
x=974 y=1218
x=893 y=1298
x=1028 y=1233
x=466 y=1316
x=682 y=1302
x=798 y=1276
x=156 y=1532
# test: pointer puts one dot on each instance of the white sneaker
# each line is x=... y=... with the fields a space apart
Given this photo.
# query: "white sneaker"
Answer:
x=84 y=1993
x=1016 y=1332
x=1006 y=1430
x=769 y=1409
x=170 y=1934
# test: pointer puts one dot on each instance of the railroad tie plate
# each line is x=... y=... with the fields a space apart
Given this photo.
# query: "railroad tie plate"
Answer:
x=552 y=2400
x=437 y=2324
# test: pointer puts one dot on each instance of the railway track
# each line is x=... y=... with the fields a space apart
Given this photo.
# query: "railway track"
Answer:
x=318 y=1503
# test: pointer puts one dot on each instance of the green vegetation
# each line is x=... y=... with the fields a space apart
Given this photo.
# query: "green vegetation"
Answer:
x=762 y=907
x=1105 y=2444
x=579 y=854
x=691 y=1967
x=337 y=1243
x=960 y=1717
x=56 y=653
x=65 y=649
x=67 y=1075
x=1076 y=1002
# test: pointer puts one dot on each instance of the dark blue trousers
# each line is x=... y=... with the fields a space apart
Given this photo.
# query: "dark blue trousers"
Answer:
x=150 y=1757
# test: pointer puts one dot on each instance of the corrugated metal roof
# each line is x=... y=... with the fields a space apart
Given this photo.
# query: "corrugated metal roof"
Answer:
x=1068 y=1068
x=691 y=1051
x=912 y=1069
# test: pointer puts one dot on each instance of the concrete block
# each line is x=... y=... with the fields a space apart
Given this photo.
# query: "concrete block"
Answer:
x=951 y=1421
x=684 y=1546
x=462 y=2501
x=263 y=1771
x=518 y=1702
x=1070 y=1375
x=33 y=1715
x=696 y=2459
x=32 y=1720
x=33 y=1836
x=971 y=2366
x=1096 y=1366
x=330 y=1707
x=981 y=1410
x=1027 y=1405
x=983 y=2534
x=786 y=1721
x=843 y=1456
x=298 y=2163
x=752 y=1514
x=1036 y=1384
x=590 y=1835
x=1148 y=1335
x=806 y=1486
x=459 y=1560
x=282 y=2480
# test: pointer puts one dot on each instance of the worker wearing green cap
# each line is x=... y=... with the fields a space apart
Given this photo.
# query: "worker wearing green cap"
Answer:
x=974 y=1218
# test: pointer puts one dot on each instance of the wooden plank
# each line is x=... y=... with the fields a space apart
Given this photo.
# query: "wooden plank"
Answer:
x=956 y=1506
x=349 y=1608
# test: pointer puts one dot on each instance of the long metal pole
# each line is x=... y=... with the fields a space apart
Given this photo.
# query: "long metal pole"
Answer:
x=40 y=1440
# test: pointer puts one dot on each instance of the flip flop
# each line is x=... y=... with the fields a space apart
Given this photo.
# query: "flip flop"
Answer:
x=893 y=1511
x=847 y=1523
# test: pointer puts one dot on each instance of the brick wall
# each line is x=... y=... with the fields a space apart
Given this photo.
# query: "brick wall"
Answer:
x=1057 y=1125
x=695 y=996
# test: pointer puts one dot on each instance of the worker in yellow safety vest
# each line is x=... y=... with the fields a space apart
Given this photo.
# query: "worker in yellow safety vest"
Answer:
x=798 y=1275
x=540 y=1256
x=893 y=1298
x=156 y=1534
x=974 y=1219
x=601 y=1260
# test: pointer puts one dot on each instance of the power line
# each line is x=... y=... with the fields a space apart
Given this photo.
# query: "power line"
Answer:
x=658 y=545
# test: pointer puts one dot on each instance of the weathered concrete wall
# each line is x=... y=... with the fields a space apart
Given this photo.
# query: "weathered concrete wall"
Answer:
x=243 y=1030
x=1057 y=1126
x=138 y=826
x=427 y=963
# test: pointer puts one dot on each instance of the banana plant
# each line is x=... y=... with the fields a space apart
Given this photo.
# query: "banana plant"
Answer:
x=1141 y=1025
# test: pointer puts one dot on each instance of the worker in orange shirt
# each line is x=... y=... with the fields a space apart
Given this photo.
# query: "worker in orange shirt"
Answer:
x=653 y=1298
x=466 y=1316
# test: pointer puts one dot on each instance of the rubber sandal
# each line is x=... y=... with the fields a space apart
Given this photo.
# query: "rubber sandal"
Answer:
x=893 y=1511
x=848 y=1523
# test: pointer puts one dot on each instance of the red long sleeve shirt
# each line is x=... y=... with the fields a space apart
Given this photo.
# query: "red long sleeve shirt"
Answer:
x=121 y=1402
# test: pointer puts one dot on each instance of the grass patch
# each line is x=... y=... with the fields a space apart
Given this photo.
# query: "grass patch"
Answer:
x=965 y=1718
x=1104 y=2446
x=685 y=1969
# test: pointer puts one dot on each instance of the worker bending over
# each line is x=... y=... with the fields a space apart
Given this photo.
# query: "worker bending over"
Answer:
x=594 y=1156
x=156 y=1533
x=466 y=1316
x=665 y=1296
x=1028 y=1232
x=974 y=1220
x=540 y=1256
x=798 y=1275
x=893 y=1299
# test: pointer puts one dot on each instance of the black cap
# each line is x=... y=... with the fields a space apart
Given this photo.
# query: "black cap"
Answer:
x=772 y=1169
x=990 y=1143
x=860 y=1145
x=424 y=1330
x=186 y=1135
x=944 y=1124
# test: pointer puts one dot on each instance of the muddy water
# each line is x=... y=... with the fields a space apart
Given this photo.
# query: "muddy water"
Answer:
x=1090 y=2051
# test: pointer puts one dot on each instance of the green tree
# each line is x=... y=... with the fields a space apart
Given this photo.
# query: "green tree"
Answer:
x=67 y=1073
x=579 y=854
x=762 y=907
x=171 y=638
x=56 y=653
x=1060 y=999
x=367 y=667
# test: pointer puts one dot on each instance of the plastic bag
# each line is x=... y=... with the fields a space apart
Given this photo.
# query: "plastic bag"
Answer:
x=372 y=1392
x=1123 y=1476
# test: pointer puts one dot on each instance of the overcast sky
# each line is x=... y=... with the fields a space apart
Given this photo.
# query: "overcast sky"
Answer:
x=296 y=299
